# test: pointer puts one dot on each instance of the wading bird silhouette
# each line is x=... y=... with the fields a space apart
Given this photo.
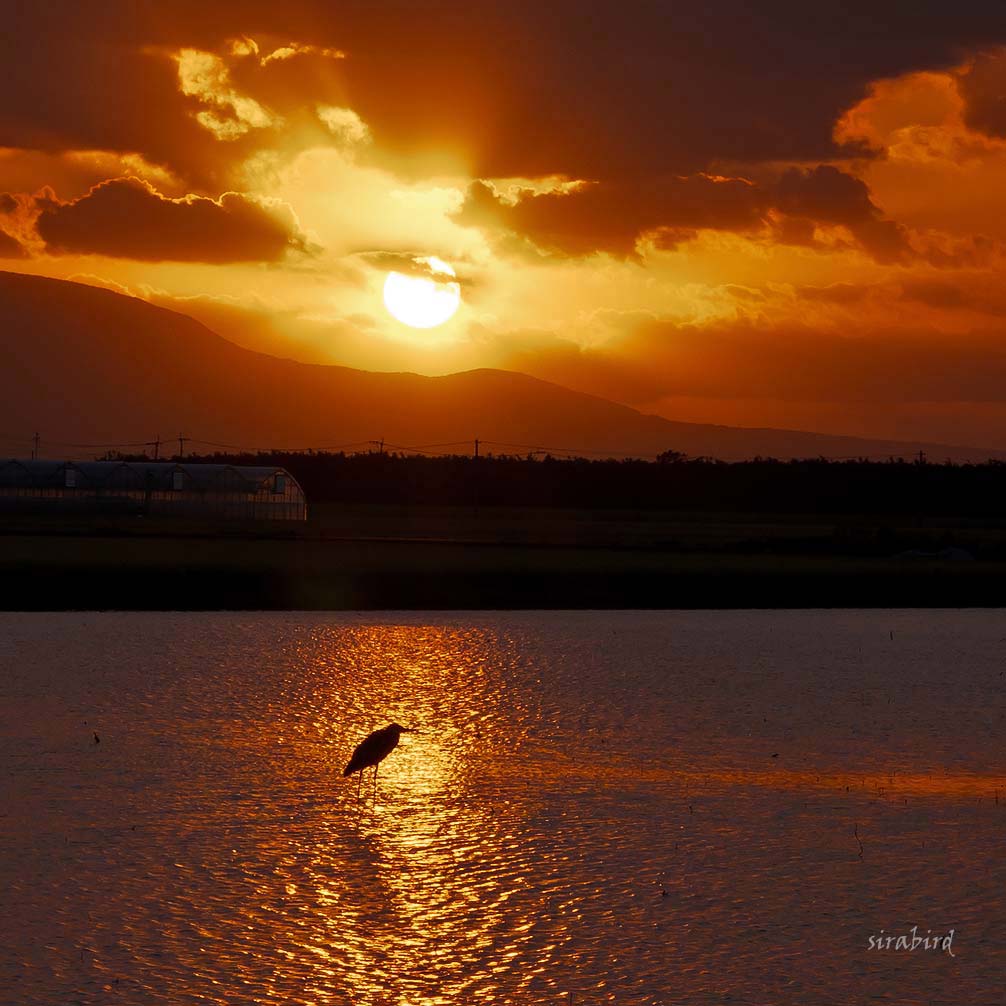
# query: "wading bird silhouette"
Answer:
x=374 y=749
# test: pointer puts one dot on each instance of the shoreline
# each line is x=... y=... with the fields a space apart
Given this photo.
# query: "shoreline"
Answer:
x=197 y=574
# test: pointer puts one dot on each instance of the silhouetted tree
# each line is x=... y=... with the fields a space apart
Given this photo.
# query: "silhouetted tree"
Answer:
x=764 y=485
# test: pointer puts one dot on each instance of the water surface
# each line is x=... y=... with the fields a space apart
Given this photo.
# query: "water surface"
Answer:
x=639 y=808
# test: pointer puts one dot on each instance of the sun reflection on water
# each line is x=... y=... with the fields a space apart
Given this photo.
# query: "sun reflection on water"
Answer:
x=429 y=862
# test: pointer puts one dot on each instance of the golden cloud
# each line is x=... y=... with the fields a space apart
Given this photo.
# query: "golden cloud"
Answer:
x=205 y=76
x=344 y=124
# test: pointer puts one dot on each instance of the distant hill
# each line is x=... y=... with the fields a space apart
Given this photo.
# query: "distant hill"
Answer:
x=90 y=366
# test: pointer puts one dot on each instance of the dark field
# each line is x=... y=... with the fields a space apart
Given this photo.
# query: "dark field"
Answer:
x=348 y=557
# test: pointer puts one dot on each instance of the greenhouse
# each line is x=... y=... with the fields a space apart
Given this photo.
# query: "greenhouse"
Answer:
x=154 y=488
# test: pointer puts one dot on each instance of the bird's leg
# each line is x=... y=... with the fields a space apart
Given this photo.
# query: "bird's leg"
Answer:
x=359 y=784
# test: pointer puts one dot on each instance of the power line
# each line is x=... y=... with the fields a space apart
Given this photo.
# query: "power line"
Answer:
x=35 y=442
x=539 y=449
x=423 y=447
x=280 y=450
x=97 y=447
x=429 y=449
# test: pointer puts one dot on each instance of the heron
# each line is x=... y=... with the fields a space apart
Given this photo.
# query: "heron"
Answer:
x=373 y=749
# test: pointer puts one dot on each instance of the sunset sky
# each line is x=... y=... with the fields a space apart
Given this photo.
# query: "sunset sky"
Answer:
x=783 y=214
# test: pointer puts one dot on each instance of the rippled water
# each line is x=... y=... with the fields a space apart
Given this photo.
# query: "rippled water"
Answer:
x=603 y=807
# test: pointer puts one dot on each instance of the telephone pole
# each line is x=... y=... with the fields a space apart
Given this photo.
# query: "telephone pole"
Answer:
x=181 y=446
x=34 y=450
x=476 y=471
x=157 y=447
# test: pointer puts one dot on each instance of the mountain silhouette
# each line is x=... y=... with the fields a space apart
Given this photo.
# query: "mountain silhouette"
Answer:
x=89 y=366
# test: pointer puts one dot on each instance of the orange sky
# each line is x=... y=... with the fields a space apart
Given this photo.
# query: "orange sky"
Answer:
x=764 y=219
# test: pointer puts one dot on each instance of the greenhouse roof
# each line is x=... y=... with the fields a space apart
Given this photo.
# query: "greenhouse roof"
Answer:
x=153 y=475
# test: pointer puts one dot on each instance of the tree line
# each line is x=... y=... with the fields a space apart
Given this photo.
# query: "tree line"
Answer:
x=672 y=482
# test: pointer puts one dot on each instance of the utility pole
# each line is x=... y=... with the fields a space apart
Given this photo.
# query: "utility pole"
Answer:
x=922 y=457
x=157 y=446
x=181 y=446
x=475 y=480
x=380 y=444
x=34 y=449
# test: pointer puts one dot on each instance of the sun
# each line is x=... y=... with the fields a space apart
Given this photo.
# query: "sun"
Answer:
x=422 y=301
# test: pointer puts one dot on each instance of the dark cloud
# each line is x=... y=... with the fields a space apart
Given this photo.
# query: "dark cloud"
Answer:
x=409 y=263
x=127 y=218
x=795 y=231
x=509 y=89
x=969 y=252
x=10 y=247
x=606 y=216
x=981 y=294
x=825 y=194
x=66 y=91
x=829 y=196
x=672 y=238
x=934 y=294
x=77 y=79
x=611 y=217
x=622 y=92
x=983 y=88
